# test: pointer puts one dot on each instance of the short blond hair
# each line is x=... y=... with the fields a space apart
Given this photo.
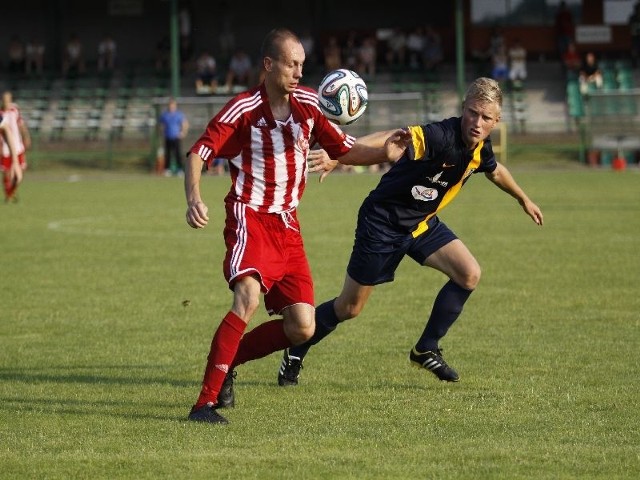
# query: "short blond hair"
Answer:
x=485 y=90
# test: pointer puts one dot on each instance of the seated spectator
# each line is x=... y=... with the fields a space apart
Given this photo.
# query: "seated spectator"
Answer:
x=415 y=48
x=206 y=74
x=34 y=61
x=432 y=52
x=16 y=53
x=517 y=63
x=73 y=57
x=107 y=54
x=308 y=43
x=351 y=51
x=332 y=53
x=239 y=71
x=367 y=57
x=571 y=61
x=590 y=74
x=500 y=65
x=396 y=49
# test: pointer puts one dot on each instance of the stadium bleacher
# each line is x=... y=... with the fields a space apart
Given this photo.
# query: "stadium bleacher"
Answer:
x=121 y=106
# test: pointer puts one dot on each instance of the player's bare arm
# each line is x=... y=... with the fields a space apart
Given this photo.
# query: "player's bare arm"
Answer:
x=197 y=211
x=392 y=142
x=505 y=181
x=376 y=139
x=370 y=149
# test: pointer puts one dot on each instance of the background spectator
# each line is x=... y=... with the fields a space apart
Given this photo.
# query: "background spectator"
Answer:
x=415 y=48
x=500 y=65
x=396 y=49
x=433 y=54
x=16 y=53
x=240 y=70
x=34 y=57
x=107 y=49
x=206 y=73
x=590 y=73
x=73 y=57
x=367 y=57
x=174 y=125
x=517 y=63
x=564 y=28
x=332 y=54
x=571 y=61
x=309 y=44
x=351 y=51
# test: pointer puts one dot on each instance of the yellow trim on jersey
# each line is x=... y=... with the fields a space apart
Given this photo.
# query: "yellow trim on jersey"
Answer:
x=452 y=192
x=419 y=142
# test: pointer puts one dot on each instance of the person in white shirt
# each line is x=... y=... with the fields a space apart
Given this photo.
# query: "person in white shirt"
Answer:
x=517 y=62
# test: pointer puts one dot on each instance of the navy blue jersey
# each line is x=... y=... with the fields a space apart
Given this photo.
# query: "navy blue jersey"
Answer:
x=428 y=176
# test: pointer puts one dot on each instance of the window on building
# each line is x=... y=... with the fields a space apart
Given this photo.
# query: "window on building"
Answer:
x=617 y=12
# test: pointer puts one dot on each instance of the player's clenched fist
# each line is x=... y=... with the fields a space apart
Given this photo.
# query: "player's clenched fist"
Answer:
x=197 y=215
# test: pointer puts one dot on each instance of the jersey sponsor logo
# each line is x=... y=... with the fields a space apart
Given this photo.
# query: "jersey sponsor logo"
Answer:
x=424 y=194
x=436 y=179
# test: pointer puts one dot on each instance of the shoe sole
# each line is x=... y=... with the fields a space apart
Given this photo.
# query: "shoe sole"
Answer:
x=420 y=366
x=215 y=419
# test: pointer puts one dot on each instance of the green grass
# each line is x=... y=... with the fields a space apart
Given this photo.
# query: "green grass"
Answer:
x=100 y=361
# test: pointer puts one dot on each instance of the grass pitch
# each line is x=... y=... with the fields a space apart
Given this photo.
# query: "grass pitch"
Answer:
x=100 y=361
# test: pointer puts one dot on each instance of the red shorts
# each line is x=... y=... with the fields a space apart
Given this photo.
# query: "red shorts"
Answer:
x=270 y=246
x=6 y=162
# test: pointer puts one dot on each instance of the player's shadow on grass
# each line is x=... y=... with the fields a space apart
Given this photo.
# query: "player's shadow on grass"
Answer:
x=40 y=375
x=101 y=408
x=120 y=397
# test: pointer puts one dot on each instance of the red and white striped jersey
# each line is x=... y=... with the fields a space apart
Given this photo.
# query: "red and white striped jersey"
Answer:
x=13 y=119
x=268 y=158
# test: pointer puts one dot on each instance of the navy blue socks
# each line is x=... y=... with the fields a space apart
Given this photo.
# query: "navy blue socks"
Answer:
x=446 y=309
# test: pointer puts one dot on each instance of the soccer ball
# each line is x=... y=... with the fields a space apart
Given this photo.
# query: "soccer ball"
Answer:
x=343 y=96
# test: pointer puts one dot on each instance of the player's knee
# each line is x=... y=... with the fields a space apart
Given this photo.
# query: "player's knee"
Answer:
x=300 y=333
x=251 y=305
x=471 y=278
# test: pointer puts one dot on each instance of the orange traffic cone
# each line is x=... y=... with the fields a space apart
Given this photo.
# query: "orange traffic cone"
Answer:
x=619 y=163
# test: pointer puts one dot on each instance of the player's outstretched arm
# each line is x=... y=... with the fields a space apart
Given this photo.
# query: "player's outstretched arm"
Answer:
x=505 y=181
x=379 y=147
x=197 y=211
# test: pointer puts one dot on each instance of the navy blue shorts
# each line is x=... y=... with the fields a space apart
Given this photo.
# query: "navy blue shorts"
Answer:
x=378 y=250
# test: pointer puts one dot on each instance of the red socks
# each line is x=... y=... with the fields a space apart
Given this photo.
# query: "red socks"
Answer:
x=223 y=350
x=10 y=186
x=266 y=338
